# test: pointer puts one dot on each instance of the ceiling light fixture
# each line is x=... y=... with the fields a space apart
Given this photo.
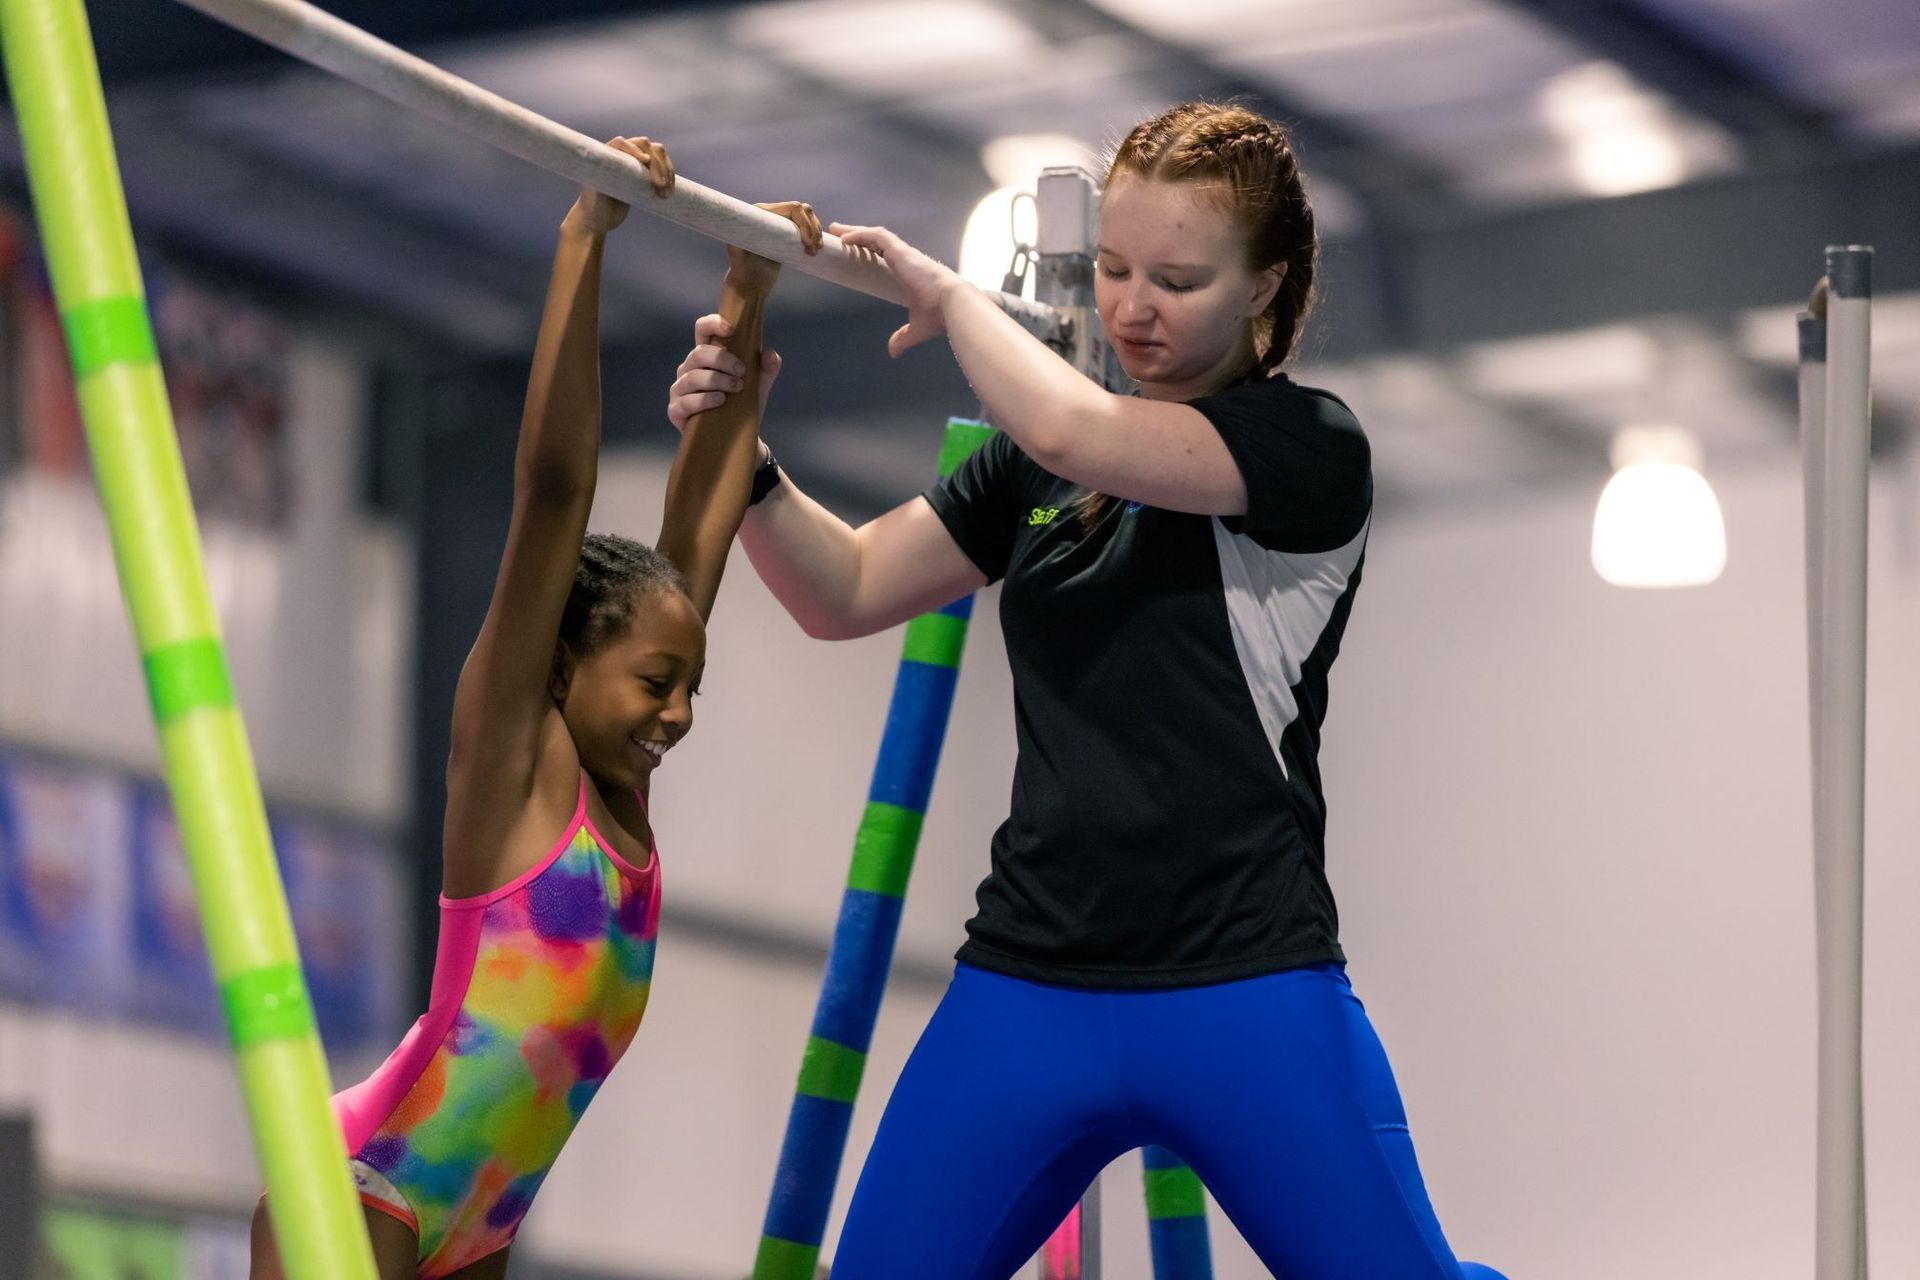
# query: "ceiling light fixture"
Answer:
x=1658 y=523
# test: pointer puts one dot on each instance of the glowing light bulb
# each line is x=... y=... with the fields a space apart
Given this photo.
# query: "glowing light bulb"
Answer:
x=1658 y=523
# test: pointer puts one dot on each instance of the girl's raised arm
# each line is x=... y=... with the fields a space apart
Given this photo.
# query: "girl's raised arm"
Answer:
x=504 y=692
x=712 y=475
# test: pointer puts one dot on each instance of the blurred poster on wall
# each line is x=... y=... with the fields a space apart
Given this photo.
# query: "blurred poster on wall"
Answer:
x=48 y=415
x=63 y=885
x=227 y=368
x=13 y=251
x=172 y=982
x=347 y=917
x=98 y=914
x=103 y=1246
x=227 y=375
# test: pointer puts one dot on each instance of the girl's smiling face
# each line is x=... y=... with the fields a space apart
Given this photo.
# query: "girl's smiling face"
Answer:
x=630 y=700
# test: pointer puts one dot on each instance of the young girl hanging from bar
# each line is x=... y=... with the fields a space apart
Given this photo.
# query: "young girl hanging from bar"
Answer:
x=580 y=683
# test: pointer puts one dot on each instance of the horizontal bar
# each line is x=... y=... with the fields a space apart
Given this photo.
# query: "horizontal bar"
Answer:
x=315 y=36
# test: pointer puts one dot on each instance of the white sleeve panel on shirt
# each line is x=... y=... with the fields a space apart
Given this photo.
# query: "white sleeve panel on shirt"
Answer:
x=1279 y=604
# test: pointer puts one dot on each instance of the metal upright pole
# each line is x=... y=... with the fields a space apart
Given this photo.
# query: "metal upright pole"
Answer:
x=1839 y=739
x=1813 y=469
x=1067 y=201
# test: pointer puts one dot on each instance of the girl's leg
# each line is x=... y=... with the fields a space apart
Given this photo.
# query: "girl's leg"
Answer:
x=1278 y=1093
x=491 y=1267
x=1005 y=1112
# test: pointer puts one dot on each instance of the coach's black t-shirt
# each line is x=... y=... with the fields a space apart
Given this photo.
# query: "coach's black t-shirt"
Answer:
x=1169 y=679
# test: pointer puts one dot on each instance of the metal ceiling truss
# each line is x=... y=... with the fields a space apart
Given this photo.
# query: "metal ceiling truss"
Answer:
x=1716 y=245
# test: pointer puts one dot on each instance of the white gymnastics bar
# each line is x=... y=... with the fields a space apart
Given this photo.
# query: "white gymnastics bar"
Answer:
x=1836 y=402
x=315 y=36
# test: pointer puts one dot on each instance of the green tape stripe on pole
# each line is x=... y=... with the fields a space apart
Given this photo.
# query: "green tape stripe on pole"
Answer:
x=785 y=1260
x=883 y=849
x=936 y=639
x=1174 y=1193
x=267 y=1004
x=82 y=216
x=187 y=677
x=108 y=331
x=831 y=1071
x=963 y=437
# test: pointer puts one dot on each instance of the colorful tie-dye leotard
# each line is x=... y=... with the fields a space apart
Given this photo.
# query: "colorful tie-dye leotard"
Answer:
x=537 y=989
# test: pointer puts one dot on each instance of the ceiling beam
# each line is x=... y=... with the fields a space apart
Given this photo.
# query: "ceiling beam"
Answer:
x=1746 y=240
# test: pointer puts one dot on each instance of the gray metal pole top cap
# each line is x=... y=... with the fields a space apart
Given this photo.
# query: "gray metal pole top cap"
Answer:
x=1850 y=270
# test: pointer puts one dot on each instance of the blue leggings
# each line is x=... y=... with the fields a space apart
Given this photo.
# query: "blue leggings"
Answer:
x=1274 y=1089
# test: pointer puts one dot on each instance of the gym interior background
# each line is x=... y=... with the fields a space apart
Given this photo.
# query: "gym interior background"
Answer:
x=1569 y=819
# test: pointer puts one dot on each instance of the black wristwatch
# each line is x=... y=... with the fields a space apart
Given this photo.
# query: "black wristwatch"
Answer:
x=765 y=477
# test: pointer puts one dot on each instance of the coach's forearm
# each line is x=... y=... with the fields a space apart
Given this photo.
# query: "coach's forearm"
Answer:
x=808 y=557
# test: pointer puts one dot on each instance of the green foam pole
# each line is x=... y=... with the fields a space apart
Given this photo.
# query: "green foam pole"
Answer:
x=82 y=213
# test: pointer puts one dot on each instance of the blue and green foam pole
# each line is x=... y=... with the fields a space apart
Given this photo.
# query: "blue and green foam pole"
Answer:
x=82 y=213
x=862 y=950
x=1176 y=1217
